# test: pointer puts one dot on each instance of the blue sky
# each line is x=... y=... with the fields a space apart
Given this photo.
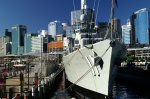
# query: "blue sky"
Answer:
x=36 y=14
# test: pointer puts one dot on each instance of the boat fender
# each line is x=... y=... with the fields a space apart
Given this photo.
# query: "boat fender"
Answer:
x=112 y=43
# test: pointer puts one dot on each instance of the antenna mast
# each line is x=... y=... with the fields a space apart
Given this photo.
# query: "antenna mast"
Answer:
x=83 y=4
x=112 y=19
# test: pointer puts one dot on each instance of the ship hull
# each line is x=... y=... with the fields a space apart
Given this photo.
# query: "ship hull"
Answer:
x=97 y=76
x=82 y=93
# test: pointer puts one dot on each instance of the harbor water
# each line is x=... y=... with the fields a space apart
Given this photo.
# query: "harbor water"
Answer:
x=123 y=90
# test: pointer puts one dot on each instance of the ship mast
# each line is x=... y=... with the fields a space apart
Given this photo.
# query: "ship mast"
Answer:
x=112 y=19
x=83 y=4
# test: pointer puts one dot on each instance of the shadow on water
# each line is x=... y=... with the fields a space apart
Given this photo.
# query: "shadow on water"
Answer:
x=127 y=86
x=130 y=90
x=55 y=85
x=125 y=91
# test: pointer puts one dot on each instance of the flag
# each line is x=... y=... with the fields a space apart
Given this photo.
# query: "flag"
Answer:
x=116 y=3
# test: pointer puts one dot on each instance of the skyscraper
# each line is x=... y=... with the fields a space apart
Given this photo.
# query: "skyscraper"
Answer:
x=37 y=44
x=117 y=27
x=126 y=33
x=141 y=22
x=55 y=28
x=9 y=34
x=27 y=42
x=5 y=46
x=18 y=33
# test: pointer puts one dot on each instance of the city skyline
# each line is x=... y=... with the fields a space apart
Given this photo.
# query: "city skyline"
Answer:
x=37 y=15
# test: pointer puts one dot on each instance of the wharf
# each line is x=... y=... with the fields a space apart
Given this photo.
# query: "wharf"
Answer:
x=44 y=90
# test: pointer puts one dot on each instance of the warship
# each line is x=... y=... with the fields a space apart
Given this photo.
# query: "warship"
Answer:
x=91 y=62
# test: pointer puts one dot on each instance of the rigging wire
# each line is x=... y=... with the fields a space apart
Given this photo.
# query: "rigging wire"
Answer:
x=87 y=71
x=62 y=68
x=110 y=21
x=92 y=14
x=97 y=11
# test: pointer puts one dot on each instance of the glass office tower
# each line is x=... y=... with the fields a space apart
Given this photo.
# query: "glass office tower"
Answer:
x=141 y=21
x=18 y=33
x=126 y=33
x=55 y=28
x=28 y=39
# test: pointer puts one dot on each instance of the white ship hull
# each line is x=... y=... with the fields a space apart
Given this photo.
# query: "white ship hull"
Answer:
x=100 y=78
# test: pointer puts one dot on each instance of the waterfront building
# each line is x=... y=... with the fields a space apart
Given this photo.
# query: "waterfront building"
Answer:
x=46 y=40
x=27 y=41
x=126 y=33
x=140 y=26
x=18 y=33
x=103 y=26
x=56 y=47
x=117 y=27
x=65 y=25
x=59 y=37
x=9 y=34
x=55 y=28
x=37 y=44
x=140 y=53
x=5 y=45
x=44 y=33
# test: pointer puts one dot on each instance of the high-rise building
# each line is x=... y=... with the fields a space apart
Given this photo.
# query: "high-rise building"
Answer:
x=37 y=44
x=9 y=34
x=126 y=33
x=18 y=33
x=103 y=26
x=140 y=21
x=44 y=33
x=55 y=28
x=117 y=28
x=27 y=42
x=5 y=46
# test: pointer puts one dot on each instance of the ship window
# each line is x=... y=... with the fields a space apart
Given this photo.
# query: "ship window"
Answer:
x=85 y=42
